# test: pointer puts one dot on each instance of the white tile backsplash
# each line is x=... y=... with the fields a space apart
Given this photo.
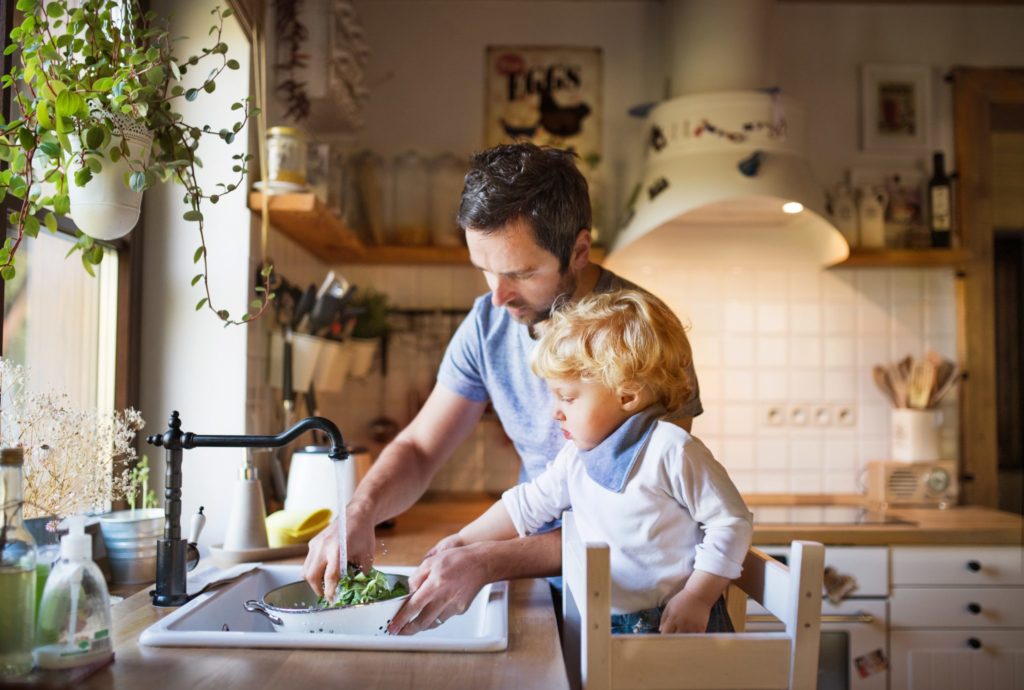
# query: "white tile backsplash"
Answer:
x=771 y=318
x=761 y=339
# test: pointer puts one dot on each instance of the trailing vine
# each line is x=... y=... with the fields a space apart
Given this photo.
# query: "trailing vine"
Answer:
x=84 y=76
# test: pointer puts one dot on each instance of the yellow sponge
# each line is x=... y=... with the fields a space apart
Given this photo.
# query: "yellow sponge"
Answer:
x=295 y=527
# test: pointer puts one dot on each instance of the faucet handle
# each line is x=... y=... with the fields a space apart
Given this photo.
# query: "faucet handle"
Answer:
x=198 y=523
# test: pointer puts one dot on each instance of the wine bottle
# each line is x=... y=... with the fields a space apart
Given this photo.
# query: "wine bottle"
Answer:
x=940 y=201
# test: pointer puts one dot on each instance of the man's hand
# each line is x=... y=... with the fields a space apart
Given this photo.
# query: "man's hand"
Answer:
x=322 y=569
x=443 y=586
x=685 y=613
x=452 y=541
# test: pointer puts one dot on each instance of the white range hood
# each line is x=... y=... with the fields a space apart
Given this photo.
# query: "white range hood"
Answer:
x=725 y=181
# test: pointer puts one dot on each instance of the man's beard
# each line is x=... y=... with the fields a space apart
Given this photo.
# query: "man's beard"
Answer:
x=566 y=289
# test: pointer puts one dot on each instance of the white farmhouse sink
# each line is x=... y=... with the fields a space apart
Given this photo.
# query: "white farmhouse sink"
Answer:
x=218 y=619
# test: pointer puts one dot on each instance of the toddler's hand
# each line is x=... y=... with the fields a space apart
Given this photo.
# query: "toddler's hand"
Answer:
x=685 y=613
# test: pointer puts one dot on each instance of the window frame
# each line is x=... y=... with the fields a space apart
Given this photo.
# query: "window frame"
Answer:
x=129 y=273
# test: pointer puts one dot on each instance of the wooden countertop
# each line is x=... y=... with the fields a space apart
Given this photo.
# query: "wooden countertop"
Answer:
x=964 y=525
x=533 y=658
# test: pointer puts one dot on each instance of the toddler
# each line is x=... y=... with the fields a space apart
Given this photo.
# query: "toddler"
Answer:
x=675 y=524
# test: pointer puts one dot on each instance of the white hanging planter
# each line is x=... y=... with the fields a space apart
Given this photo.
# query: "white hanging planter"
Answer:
x=106 y=208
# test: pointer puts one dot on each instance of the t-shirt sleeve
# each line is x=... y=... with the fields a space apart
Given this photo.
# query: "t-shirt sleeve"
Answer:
x=692 y=407
x=462 y=368
x=536 y=503
x=703 y=486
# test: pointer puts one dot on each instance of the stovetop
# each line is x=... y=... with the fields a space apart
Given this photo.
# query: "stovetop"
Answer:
x=822 y=515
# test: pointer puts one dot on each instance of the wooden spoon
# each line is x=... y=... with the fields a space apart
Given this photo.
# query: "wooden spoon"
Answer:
x=881 y=376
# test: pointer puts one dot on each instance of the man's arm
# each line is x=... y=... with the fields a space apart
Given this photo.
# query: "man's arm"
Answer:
x=402 y=472
x=446 y=582
x=397 y=479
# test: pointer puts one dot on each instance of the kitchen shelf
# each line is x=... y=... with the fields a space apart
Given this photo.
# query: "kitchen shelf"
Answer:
x=306 y=220
x=904 y=258
x=312 y=225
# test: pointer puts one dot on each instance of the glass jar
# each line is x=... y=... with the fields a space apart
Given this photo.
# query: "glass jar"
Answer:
x=447 y=178
x=286 y=156
x=411 y=199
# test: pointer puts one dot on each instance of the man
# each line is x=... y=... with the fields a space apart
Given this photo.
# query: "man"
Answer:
x=526 y=214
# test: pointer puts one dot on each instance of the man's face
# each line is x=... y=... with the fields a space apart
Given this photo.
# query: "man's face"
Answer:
x=523 y=277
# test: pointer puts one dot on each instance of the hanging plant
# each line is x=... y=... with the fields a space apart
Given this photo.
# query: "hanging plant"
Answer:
x=91 y=81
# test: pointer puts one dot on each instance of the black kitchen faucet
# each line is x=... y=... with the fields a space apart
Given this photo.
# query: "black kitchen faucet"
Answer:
x=171 y=553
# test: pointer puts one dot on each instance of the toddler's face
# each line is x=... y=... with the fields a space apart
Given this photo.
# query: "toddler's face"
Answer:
x=587 y=412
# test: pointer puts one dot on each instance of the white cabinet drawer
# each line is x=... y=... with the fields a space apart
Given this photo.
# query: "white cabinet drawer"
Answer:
x=975 y=565
x=869 y=565
x=956 y=660
x=951 y=607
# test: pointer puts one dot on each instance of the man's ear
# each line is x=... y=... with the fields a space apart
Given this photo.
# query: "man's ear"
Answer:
x=581 y=250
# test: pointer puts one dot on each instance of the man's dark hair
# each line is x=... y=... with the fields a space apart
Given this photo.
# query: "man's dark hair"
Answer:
x=523 y=181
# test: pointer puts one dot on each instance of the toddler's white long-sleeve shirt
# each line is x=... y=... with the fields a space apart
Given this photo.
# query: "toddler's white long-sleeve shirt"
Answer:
x=676 y=511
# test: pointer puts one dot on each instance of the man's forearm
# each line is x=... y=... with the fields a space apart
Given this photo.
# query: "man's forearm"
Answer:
x=397 y=479
x=509 y=559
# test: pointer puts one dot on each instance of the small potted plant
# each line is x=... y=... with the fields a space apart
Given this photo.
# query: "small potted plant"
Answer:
x=370 y=328
x=94 y=86
x=131 y=535
x=70 y=453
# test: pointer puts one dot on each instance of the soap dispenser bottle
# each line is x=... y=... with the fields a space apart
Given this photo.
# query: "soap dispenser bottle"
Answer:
x=247 y=523
x=73 y=628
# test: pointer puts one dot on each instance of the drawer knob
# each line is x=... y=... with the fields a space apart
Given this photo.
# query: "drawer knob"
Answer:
x=973 y=566
x=974 y=643
x=974 y=608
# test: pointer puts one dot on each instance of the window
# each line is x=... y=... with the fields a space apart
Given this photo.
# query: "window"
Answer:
x=62 y=322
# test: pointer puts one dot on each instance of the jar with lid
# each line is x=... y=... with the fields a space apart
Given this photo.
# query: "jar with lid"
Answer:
x=447 y=178
x=411 y=199
x=286 y=157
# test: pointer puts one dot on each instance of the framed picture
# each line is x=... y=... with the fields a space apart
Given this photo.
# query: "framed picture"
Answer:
x=895 y=102
x=550 y=96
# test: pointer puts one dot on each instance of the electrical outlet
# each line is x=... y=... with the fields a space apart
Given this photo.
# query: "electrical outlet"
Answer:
x=773 y=414
x=799 y=415
x=844 y=414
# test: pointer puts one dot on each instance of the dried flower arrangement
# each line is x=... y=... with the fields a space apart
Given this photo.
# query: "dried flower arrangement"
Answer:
x=69 y=453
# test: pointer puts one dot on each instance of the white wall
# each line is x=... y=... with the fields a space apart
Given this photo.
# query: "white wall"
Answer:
x=190 y=362
x=761 y=337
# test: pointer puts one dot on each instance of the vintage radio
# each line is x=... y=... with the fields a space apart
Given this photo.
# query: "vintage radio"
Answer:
x=931 y=484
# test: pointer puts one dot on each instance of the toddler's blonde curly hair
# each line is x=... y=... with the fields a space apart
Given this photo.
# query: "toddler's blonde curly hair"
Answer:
x=618 y=339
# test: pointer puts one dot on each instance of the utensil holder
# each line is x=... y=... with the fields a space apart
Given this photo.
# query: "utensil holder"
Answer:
x=305 y=352
x=915 y=435
x=332 y=367
x=363 y=351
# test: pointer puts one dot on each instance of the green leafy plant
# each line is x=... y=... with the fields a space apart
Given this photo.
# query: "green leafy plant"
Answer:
x=84 y=74
x=138 y=486
x=372 y=314
x=359 y=588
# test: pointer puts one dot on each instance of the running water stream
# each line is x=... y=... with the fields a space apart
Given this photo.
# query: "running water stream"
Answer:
x=341 y=486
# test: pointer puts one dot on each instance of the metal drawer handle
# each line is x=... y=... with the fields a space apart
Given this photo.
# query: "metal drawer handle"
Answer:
x=974 y=608
x=974 y=643
x=825 y=618
x=973 y=566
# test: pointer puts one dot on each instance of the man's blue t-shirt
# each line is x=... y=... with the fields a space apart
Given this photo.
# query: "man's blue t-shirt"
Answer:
x=488 y=358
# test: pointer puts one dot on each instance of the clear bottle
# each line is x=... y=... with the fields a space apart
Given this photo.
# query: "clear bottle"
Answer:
x=17 y=571
x=844 y=213
x=74 y=616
